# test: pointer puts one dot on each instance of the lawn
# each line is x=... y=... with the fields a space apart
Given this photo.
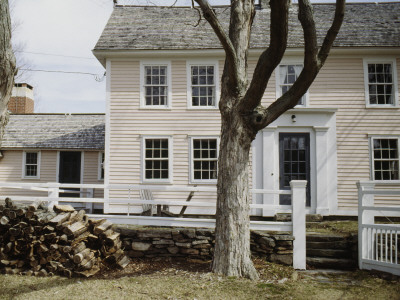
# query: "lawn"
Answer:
x=183 y=279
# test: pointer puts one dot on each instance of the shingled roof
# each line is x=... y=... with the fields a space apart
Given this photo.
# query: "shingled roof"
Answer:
x=172 y=28
x=55 y=131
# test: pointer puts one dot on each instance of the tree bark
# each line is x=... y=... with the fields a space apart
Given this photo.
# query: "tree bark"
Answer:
x=7 y=64
x=232 y=256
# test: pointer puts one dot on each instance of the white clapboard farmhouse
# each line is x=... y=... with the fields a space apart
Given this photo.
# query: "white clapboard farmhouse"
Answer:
x=162 y=117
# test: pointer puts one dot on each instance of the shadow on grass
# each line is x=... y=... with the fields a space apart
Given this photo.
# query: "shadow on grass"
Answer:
x=147 y=266
x=9 y=291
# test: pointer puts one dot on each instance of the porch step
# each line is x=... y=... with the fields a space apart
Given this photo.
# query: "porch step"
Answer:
x=329 y=251
x=331 y=263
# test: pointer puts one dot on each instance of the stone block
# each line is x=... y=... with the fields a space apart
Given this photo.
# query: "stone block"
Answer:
x=284 y=243
x=286 y=259
x=178 y=237
x=202 y=246
x=202 y=237
x=189 y=251
x=189 y=233
x=183 y=245
x=139 y=246
x=283 y=237
x=199 y=242
x=155 y=233
x=163 y=242
x=173 y=250
x=268 y=241
x=205 y=232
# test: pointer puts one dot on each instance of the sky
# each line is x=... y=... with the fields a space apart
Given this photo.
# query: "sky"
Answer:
x=58 y=36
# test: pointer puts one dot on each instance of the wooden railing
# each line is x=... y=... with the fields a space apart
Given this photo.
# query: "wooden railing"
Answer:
x=378 y=244
x=296 y=226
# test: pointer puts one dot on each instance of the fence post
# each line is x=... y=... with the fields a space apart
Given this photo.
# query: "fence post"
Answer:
x=364 y=217
x=299 y=223
x=53 y=193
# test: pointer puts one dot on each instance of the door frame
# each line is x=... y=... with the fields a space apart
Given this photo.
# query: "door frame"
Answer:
x=58 y=164
x=308 y=159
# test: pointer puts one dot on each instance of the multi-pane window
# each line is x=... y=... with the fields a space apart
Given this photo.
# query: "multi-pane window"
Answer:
x=288 y=74
x=380 y=84
x=385 y=159
x=203 y=86
x=155 y=86
x=156 y=159
x=205 y=159
x=31 y=164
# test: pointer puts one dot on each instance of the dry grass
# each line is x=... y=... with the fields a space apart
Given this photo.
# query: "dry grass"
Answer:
x=334 y=227
x=191 y=280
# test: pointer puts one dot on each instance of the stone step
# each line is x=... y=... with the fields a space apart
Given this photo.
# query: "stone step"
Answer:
x=311 y=237
x=342 y=245
x=328 y=253
x=331 y=263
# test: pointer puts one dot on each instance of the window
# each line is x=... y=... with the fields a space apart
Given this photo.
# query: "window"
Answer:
x=31 y=164
x=203 y=85
x=380 y=83
x=385 y=158
x=156 y=159
x=155 y=90
x=287 y=75
x=101 y=166
x=204 y=163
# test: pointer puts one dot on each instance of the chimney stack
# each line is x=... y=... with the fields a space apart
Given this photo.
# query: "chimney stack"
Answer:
x=21 y=101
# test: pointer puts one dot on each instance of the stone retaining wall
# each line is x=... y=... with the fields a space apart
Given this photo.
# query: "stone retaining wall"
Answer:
x=199 y=243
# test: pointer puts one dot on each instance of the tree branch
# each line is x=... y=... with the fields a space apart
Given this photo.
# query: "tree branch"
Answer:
x=313 y=62
x=212 y=19
x=270 y=58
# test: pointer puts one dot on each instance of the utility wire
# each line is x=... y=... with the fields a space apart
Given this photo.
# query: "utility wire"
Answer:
x=97 y=77
x=50 y=54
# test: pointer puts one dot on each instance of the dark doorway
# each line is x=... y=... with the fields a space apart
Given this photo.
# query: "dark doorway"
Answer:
x=70 y=170
x=294 y=163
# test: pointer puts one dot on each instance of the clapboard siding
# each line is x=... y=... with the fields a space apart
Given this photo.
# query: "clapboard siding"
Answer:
x=11 y=171
x=339 y=85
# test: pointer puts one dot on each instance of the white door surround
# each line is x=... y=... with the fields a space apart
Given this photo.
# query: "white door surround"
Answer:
x=320 y=123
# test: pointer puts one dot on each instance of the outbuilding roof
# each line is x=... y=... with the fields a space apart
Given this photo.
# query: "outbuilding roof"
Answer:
x=55 y=131
x=173 y=28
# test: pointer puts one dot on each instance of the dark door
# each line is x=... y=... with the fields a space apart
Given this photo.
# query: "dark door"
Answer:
x=70 y=170
x=294 y=163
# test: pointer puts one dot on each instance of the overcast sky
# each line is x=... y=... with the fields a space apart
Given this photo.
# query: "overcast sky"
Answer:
x=58 y=35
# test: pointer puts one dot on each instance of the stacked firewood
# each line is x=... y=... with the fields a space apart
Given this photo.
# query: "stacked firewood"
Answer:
x=37 y=241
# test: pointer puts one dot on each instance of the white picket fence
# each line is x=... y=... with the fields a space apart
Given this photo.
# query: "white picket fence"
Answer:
x=378 y=244
x=296 y=226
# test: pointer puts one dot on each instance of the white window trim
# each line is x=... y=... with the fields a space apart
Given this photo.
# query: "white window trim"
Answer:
x=142 y=159
x=145 y=63
x=367 y=61
x=371 y=155
x=189 y=64
x=24 y=165
x=99 y=163
x=191 y=166
x=278 y=85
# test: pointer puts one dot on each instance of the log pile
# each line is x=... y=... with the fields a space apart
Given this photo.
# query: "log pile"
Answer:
x=37 y=241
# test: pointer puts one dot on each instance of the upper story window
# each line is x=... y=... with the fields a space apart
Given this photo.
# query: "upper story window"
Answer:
x=31 y=164
x=204 y=164
x=287 y=74
x=380 y=83
x=155 y=85
x=385 y=156
x=156 y=162
x=203 y=85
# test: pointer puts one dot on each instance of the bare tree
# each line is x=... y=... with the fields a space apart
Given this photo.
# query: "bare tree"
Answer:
x=7 y=63
x=242 y=114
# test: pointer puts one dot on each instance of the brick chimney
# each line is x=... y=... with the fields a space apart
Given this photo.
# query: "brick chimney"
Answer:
x=21 y=101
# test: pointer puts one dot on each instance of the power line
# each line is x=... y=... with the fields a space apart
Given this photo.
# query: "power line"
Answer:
x=97 y=77
x=50 y=54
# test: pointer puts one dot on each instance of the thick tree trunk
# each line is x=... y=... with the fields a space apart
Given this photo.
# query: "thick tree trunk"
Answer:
x=7 y=64
x=232 y=238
